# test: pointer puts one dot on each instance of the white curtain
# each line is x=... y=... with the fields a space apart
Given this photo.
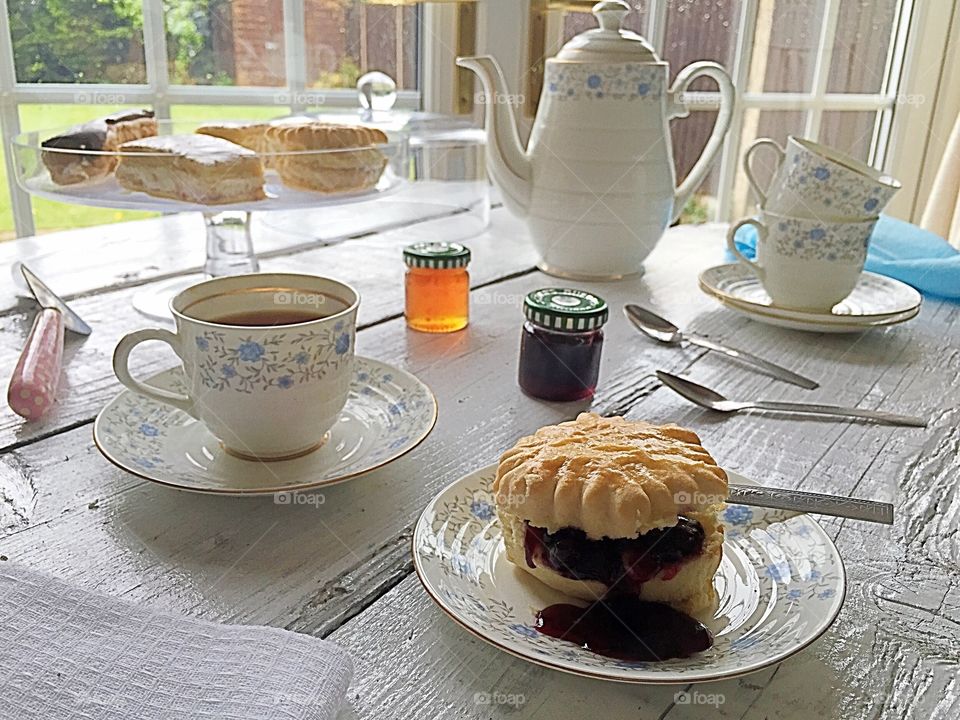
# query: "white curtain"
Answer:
x=942 y=214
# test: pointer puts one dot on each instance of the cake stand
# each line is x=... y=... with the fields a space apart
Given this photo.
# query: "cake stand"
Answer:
x=229 y=244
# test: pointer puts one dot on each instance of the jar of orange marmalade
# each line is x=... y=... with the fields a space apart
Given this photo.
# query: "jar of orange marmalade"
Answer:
x=437 y=286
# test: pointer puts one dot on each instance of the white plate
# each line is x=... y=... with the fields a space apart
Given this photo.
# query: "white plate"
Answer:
x=389 y=412
x=876 y=301
x=781 y=584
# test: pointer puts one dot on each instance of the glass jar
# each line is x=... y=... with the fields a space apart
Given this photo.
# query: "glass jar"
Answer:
x=561 y=343
x=437 y=286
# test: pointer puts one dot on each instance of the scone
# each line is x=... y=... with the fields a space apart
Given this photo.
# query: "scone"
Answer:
x=600 y=505
x=356 y=164
x=192 y=168
x=105 y=135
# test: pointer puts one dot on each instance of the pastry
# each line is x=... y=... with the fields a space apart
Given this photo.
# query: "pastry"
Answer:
x=251 y=135
x=105 y=135
x=357 y=166
x=605 y=505
x=192 y=168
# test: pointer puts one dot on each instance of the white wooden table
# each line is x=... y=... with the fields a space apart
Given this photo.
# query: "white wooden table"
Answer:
x=342 y=569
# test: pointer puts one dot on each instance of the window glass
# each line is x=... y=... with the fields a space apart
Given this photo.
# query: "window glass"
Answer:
x=864 y=34
x=77 y=41
x=848 y=132
x=225 y=42
x=346 y=38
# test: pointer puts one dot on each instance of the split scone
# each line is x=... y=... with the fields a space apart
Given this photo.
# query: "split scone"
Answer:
x=353 y=163
x=600 y=505
x=192 y=168
x=103 y=135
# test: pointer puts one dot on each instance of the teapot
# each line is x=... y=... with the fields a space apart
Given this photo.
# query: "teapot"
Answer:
x=596 y=182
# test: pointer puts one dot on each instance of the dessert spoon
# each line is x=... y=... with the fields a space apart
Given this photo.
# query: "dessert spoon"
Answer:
x=662 y=330
x=712 y=400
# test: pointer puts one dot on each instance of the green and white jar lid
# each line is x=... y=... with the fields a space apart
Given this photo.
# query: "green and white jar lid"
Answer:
x=436 y=255
x=565 y=309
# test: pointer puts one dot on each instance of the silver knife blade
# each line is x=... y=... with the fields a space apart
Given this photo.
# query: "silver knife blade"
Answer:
x=769 y=367
x=802 y=501
x=49 y=299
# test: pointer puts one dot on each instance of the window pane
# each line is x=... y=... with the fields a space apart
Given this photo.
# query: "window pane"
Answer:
x=785 y=45
x=348 y=38
x=864 y=33
x=77 y=41
x=225 y=42
x=848 y=132
x=700 y=30
x=775 y=124
x=47 y=214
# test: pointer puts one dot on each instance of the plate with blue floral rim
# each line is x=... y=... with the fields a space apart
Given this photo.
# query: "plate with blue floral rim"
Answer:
x=388 y=413
x=780 y=585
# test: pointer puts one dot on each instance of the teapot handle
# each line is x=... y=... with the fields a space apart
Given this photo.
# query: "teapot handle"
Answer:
x=676 y=108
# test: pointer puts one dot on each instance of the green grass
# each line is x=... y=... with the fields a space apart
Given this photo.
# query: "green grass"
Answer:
x=49 y=215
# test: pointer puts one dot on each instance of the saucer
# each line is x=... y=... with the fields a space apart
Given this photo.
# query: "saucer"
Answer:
x=876 y=301
x=388 y=413
x=781 y=584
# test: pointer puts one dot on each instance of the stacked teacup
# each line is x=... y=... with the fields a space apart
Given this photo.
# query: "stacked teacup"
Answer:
x=814 y=223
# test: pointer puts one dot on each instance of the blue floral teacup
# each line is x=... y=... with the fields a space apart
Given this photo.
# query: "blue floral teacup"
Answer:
x=814 y=181
x=268 y=359
x=803 y=263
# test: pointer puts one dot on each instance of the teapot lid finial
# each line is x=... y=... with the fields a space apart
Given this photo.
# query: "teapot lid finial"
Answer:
x=610 y=14
x=609 y=42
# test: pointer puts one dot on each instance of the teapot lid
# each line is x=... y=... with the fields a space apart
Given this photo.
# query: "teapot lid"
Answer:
x=609 y=42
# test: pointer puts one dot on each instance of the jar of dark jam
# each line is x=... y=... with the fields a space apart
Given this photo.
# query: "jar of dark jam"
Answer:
x=561 y=343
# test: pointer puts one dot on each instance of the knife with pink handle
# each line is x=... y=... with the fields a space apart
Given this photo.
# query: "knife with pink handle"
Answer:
x=33 y=385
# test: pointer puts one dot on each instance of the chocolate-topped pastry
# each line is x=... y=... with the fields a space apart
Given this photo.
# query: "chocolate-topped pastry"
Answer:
x=104 y=134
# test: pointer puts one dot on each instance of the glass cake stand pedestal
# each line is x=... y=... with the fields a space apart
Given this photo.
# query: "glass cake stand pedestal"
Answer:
x=229 y=242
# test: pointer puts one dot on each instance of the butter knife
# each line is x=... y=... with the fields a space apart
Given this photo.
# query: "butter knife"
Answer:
x=808 y=502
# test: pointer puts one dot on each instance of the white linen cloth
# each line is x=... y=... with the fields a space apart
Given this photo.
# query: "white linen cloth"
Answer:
x=66 y=652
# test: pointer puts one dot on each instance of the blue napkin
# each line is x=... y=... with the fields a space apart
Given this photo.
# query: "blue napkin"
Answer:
x=899 y=250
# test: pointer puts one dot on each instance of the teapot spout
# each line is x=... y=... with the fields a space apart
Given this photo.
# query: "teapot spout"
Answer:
x=507 y=160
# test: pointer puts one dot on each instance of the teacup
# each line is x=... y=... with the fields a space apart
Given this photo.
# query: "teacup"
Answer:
x=267 y=359
x=813 y=180
x=806 y=264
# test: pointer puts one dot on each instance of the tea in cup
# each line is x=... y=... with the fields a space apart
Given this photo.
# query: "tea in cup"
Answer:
x=812 y=180
x=267 y=359
x=806 y=264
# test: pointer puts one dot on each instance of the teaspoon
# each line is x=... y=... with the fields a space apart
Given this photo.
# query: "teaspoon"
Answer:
x=662 y=330
x=712 y=400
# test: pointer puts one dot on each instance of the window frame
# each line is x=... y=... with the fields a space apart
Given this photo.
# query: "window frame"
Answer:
x=159 y=93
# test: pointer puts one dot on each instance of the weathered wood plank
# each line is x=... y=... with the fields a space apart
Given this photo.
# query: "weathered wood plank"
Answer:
x=312 y=568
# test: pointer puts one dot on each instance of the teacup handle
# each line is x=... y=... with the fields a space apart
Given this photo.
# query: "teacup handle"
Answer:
x=761 y=229
x=121 y=366
x=748 y=165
